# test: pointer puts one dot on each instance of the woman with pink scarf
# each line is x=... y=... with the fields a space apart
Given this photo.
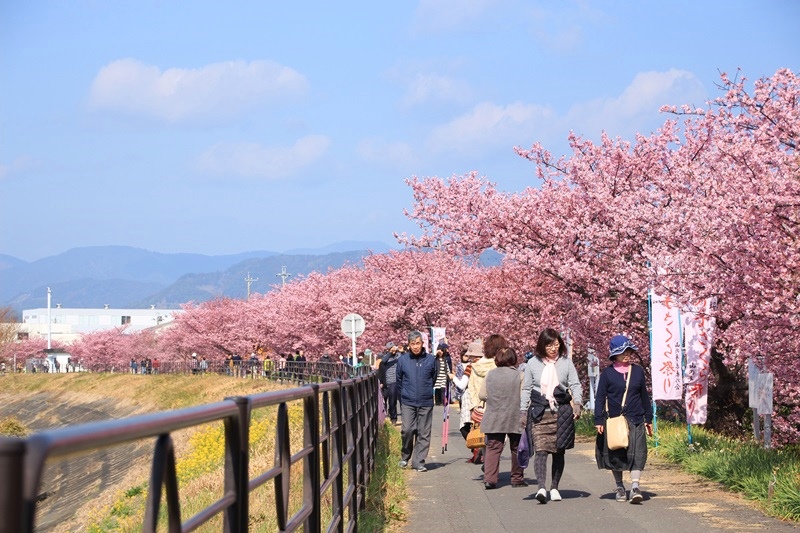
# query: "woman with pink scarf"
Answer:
x=553 y=392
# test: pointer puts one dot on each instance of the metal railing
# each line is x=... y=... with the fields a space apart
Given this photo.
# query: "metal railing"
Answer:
x=340 y=431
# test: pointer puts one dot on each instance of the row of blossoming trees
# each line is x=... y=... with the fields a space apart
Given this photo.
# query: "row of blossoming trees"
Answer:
x=707 y=206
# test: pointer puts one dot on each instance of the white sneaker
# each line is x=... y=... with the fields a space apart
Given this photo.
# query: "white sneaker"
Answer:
x=541 y=496
x=555 y=496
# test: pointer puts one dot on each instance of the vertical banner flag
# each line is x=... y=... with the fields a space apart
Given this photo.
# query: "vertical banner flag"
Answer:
x=438 y=336
x=698 y=335
x=665 y=353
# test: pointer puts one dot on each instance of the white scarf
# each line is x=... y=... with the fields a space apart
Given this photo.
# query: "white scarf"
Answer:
x=549 y=382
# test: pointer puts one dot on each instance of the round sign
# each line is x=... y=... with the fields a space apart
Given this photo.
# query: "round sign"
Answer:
x=353 y=325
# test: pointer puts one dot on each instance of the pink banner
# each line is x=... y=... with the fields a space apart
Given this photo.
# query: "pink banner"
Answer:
x=665 y=348
x=698 y=335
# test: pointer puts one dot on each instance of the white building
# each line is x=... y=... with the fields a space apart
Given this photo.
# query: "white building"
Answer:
x=67 y=324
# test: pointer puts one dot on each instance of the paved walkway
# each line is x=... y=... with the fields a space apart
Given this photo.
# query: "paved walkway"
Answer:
x=450 y=497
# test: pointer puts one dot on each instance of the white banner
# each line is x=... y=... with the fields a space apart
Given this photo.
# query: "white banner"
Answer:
x=665 y=348
x=698 y=334
x=438 y=336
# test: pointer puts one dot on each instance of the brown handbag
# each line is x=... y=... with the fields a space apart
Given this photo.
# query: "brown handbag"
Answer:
x=476 y=438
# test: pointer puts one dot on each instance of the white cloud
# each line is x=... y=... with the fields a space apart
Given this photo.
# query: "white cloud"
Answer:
x=443 y=15
x=489 y=125
x=218 y=90
x=428 y=87
x=252 y=160
x=638 y=106
x=17 y=166
x=392 y=153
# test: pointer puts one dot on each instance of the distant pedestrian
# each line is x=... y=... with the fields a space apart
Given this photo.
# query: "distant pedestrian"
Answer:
x=281 y=366
x=444 y=369
x=236 y=361
x=623 y=379
x=300 y=363
x=387 y=377
x=255 y=365
x=415 y=374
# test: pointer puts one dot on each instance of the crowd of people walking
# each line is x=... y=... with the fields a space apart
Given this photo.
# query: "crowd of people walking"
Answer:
x=530 y=402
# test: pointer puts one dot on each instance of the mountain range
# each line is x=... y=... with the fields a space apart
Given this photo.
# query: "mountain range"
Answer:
x=126 y=277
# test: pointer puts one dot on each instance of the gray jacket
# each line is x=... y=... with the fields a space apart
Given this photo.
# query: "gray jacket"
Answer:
x=567 y=376
x=501 y=391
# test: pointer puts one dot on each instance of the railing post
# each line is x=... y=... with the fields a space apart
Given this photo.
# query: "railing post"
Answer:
x=237 y=467
x=312 y=461
x=339 y=443
x=12 y=452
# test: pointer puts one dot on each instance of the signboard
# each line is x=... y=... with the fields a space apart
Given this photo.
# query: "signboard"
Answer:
x=353 y=324
x=752 y=377
x=764 y=393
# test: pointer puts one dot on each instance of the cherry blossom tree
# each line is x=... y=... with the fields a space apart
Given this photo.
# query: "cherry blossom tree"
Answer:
x=707 y=208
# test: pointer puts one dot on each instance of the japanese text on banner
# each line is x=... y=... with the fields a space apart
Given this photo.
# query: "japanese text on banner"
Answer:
x=698 y=334
x=665 y=353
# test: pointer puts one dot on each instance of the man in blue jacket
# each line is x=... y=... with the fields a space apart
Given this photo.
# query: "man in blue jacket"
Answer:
x=416 y=372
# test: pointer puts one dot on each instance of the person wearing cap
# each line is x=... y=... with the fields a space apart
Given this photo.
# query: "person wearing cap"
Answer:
x=553 y=392
x=638 y=410
x=472 y=353
x=490 y=347
x=387 y=377
x=444 y=369
x=416 y=371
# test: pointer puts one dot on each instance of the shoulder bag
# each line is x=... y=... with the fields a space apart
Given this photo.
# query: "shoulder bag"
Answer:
x=617 y=426
x=475 y=438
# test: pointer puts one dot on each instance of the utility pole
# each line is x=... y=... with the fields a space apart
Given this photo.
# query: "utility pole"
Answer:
x=283 y=275
x=49 y=320
x=249 y=280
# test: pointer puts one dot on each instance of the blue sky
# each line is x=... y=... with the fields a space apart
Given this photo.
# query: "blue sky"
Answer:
x=224 y=127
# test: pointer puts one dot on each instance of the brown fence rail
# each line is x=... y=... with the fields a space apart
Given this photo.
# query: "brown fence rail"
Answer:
x=340 y=432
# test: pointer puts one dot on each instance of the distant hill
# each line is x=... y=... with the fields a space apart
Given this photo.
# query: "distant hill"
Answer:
x=123 y=276
x=231 y=282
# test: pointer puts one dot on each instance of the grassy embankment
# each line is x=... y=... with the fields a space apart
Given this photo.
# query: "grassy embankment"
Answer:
x=769 y=477
x=200 y=450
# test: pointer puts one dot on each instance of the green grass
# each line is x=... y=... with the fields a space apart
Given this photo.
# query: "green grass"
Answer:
x=386 y=493
x=769 y=476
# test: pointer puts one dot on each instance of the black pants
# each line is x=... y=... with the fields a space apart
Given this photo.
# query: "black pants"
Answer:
x=439 y=396
x=392 y=397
